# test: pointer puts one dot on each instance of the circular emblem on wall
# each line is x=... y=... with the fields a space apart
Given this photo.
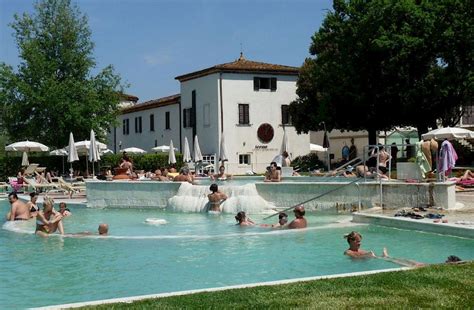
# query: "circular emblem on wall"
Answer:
x=265 y=133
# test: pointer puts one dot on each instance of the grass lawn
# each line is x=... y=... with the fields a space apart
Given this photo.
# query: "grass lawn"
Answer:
x=437 y=286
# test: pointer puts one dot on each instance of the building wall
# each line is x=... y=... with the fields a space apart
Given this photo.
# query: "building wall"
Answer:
x=207 y=126
x=147 y=139
x=264 y=107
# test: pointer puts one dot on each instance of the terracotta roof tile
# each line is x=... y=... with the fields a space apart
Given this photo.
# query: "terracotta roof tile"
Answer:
x=128 y=97
x=160 y=102
x=241 y=65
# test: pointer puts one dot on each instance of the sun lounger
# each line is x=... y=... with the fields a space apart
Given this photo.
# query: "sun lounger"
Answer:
x=37 y=187
x=30 y=170
x=73 y=188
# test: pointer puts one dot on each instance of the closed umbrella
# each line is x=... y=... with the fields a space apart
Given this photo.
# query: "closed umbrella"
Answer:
x=134 y=150
x=24 y=159
x=72 y=152
x=223 y=149
x=197 y=150
x=186 y=152
x=285 y=145
x=94 y=155
x=171 y=155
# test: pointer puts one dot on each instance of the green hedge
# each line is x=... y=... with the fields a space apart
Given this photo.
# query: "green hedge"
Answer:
x=10 y=165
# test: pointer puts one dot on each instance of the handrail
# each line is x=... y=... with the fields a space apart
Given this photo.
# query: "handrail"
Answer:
x=354 y=160
x=314 y=198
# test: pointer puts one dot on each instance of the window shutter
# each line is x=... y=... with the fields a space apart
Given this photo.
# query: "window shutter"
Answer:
x=193 y=116
x=247 y=120
x=273 y=84
x=256 y=83
x=184 y=118
x=284 y=114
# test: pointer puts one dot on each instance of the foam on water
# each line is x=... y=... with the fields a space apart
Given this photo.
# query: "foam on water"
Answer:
x=193 y=198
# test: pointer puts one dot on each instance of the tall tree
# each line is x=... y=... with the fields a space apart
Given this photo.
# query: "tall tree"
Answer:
x=53 y=91
x=379 y=64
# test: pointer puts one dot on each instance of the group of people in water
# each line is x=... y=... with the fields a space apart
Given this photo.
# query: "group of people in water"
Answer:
x=48 y=219
x=299 y=221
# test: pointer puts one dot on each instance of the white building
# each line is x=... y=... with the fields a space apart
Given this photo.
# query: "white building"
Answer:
x=246 y=101
x=146 y=125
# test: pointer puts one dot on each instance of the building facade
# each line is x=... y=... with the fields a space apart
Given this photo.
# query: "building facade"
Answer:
x=244 y=101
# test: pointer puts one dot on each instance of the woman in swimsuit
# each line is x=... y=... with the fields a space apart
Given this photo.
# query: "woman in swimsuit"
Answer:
x=48 y=220
x=32 y=204
x=215 y=198
x=354 y=251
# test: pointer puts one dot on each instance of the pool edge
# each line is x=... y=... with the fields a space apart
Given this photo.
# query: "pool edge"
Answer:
x=131 y=299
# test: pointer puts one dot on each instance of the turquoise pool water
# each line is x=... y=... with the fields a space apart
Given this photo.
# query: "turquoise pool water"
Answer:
x=191 y=251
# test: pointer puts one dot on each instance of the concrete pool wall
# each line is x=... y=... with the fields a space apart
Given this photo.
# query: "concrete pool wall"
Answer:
x=283 y=194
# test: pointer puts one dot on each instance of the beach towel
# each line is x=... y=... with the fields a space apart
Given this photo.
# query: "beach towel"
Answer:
x=421 y=160
x=447 y=158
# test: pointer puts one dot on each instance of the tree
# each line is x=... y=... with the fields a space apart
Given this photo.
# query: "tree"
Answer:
x=385 y=63
x=53 y=91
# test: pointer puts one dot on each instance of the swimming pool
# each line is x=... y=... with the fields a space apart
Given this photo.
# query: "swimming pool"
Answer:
x=192 y=251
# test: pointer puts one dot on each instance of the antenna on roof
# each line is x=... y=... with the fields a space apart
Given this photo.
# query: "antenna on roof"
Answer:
x=241 y=53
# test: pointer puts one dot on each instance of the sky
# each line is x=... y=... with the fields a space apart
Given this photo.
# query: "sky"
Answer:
x=150 y=42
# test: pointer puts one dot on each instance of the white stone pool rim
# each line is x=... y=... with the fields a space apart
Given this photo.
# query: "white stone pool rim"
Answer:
x=217 y=289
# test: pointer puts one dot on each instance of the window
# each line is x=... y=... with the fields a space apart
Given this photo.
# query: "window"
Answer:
x=206 y=109
x=138 y=124
x=167 y=120
x=187 y=117
x=264 y=83
x=244 y=114
x=285 y=114
x=244 y=159
x=152 y=122
x=468 y=117
x=125 y=126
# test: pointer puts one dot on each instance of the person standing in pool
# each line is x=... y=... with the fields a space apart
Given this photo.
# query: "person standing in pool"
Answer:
x=19 y=211
x=48 y=220
x=215 y=198
x=299 y=221
x=32 y=204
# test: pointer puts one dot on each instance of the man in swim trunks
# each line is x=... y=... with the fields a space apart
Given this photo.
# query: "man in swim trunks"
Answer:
x=215 y=198
x=299 y=221
x=19 y=211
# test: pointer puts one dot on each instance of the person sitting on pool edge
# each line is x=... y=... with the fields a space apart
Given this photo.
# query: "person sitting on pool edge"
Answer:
x=273 y=174
x=221 y=176
x=299 y=221
x=215 y=198
x=243 y=220
x=282 y=220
